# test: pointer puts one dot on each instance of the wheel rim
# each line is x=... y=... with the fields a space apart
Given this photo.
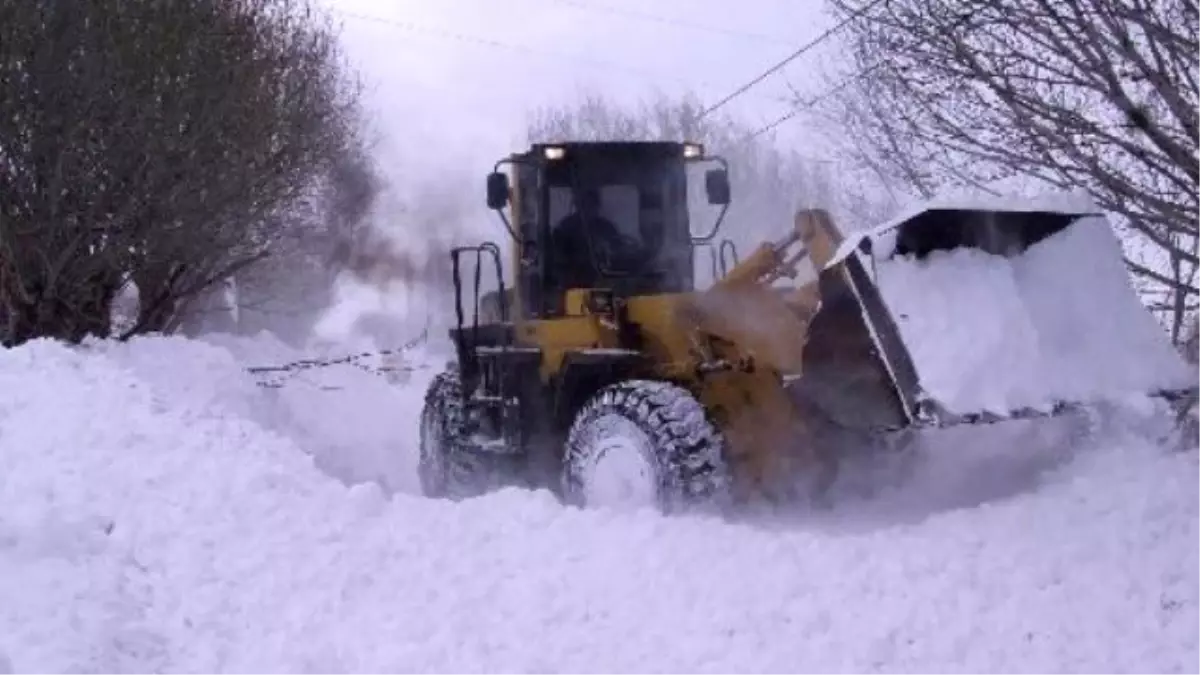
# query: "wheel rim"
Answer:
x=621 y=473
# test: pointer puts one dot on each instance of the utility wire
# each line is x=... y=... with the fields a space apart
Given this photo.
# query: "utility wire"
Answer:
x=671 y=21
x=796 y=110
x=432 y=31
x=792 y=57
x=809 y=104
x=487 y=42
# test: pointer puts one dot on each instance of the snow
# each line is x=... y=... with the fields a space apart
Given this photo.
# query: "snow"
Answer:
x=158 y=512
x=1058 y=323
x=360 y=437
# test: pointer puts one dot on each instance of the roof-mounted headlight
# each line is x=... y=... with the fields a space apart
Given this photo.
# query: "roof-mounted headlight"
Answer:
x=693 y=150
x=553 y=152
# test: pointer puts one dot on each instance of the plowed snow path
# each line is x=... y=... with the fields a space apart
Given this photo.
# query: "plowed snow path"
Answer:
x=154 y=523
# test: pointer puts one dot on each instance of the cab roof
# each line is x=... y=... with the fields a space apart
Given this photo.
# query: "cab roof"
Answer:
x=614 y=149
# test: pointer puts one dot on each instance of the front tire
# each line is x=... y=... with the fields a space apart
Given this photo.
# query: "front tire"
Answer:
x=645 y=444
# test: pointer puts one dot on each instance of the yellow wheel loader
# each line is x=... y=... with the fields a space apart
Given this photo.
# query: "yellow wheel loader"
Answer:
x=603 y=372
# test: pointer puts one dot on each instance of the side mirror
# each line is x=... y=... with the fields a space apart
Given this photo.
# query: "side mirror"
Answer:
x=497 y=190
x=716 y=185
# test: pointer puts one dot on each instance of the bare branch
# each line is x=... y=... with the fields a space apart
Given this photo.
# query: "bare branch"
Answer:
x=1093 y=94
x=173 y=143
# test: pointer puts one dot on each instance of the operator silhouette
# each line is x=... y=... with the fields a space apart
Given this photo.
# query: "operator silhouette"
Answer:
x=586 y=241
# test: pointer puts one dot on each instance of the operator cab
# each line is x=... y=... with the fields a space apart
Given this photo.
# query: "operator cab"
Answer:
x=610 y=215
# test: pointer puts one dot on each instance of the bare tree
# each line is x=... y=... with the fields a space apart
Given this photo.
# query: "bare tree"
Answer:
x=287 y=290
x=1093 y=94
x=170 y=143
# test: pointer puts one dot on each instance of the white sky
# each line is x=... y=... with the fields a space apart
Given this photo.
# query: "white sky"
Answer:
x=457 y=79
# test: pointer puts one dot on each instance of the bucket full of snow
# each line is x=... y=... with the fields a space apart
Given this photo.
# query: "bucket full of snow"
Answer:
x=1016 y=308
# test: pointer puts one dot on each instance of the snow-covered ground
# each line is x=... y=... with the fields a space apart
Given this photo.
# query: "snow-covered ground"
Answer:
x=159 y=512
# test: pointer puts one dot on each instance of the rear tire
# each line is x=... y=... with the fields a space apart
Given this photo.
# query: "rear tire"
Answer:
x=447 y=467
x=645 y=444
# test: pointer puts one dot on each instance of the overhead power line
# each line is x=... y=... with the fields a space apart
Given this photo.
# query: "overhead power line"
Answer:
x=791 y=57
x=671 y=21
x=437 y=32
x=809 y=104
x=542 y=54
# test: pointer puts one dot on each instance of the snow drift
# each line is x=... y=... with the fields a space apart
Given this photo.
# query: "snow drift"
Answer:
x=150 y=520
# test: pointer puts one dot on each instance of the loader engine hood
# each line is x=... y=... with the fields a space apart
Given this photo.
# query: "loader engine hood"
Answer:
x=991 y=311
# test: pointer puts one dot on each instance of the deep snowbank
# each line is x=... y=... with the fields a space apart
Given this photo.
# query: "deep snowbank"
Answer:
x=355 y=425
x=148 y=522
x=1058 y=323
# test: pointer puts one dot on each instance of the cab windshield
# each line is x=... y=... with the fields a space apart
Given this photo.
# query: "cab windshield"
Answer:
x=619 y=220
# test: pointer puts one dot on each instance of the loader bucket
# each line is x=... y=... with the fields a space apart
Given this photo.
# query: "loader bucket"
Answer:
x=847 y=377
x=990 y=314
